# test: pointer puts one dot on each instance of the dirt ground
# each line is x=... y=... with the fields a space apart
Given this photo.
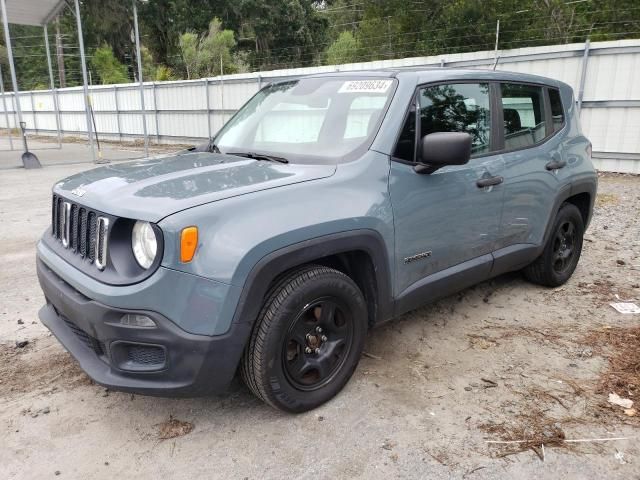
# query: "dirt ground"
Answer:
x=504 y=361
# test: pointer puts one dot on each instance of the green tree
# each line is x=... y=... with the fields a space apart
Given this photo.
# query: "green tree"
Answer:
x=152 y=71
x=283 y=33
x=295 y=33
x=163 y=22
x=273 y=33
x=343 y=50
x=164 y=73
x=107 y=66
x=189 y=46
x=149 y=67
x=209 y=54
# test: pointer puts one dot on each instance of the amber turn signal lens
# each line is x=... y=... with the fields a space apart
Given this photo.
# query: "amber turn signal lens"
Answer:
x=188 y=243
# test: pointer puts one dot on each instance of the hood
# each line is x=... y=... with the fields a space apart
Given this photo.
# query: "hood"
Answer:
x=152 y=189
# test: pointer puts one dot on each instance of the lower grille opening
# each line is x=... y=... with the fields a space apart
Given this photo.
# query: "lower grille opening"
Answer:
x=145 y=355
x=137 y=357
x=100 y=348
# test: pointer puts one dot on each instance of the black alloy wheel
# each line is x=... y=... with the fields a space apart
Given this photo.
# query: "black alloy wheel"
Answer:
x=564 y=246
x=317 y=343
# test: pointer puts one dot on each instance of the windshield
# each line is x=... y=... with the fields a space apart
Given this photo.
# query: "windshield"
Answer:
x=312 y=120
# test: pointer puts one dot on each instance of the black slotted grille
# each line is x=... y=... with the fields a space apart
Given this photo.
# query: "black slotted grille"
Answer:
x=54 y=217
x=92 y=236
x=59 y=220
x=83 y=231
x=73 y=228
x=94 y=344
x=101 y=253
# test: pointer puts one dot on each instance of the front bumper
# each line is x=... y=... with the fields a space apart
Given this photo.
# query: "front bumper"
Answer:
x=165 y=360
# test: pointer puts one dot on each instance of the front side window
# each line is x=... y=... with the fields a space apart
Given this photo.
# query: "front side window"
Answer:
x=312 y=120
x=462 y=107
x=524 y=116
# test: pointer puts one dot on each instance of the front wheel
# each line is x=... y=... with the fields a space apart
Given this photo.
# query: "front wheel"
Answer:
x=562 y=251
x=307 y=340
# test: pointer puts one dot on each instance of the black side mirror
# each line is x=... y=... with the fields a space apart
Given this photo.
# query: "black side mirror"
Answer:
x=443 y=148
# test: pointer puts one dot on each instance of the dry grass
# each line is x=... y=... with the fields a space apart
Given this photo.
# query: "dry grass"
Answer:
x=605 y=291
x=621 y=347
x=499 y=332
x=606 y=199
x=527 y=431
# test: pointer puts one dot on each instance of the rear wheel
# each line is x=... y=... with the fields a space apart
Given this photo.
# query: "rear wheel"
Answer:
x=307 y=340
x=562 y=251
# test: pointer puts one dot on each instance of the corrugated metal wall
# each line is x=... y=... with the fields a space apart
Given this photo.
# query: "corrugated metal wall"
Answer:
x=188 y=111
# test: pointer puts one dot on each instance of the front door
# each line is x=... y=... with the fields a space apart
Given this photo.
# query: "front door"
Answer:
x=446 y=221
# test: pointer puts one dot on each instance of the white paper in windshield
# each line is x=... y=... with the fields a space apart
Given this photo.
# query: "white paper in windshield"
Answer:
x=365 y=86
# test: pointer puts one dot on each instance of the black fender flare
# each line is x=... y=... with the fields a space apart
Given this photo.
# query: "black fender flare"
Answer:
x=279 y=261
x=584 y=184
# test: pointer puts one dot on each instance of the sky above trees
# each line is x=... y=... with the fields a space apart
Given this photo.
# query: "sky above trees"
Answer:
x=196 y=38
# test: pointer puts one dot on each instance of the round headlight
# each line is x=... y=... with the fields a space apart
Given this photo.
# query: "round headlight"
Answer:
x=144 y=244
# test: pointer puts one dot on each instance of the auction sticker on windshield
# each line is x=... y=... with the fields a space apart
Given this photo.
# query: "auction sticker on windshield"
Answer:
x=365 y=86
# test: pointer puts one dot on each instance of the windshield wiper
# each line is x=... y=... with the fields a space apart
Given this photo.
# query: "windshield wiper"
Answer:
x=259 y=156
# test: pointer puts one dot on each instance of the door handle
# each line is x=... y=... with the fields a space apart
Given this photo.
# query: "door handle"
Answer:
x=555 y=164
x=489 y=182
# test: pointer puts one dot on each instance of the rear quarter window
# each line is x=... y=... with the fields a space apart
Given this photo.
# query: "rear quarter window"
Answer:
x=557 y=110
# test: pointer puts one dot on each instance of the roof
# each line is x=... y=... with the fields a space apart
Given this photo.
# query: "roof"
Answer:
x=33 y=12
x=426 y=74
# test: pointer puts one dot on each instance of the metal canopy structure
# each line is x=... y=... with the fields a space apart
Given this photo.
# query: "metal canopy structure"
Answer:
x=33 y=12
x=40 y=13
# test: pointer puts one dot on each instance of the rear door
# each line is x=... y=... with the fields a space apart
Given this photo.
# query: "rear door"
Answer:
x=445 y=218
x=533 y=162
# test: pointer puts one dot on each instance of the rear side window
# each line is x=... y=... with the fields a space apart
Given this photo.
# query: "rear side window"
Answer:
x=557 y=111
x=524 y=116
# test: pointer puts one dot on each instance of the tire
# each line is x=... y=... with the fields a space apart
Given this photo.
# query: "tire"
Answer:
x=561 y=252
x=311 y=308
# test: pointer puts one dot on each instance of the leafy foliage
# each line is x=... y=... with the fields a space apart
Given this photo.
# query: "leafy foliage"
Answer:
x=209 y=54
x=343 y=50
x=180 y=40
x=107 y=66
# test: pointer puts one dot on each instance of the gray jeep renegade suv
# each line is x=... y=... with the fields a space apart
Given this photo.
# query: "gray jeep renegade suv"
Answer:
x=325 y=206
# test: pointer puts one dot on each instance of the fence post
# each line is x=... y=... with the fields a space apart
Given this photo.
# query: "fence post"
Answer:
x=33 y=112
x=206 y=95
x=222 y=93
x=155 y=112
x=115 y=96
x=583 y=75
x=54 y=90
x=140 y=79
x=6 y=112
